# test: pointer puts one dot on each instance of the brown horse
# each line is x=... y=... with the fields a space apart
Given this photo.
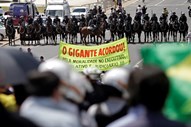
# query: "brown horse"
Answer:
x=85 y=31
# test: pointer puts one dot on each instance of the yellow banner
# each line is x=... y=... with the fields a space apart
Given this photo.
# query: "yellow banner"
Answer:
x=104 y=57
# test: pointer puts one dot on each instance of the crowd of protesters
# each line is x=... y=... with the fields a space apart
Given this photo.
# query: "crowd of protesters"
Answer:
x=57 y=95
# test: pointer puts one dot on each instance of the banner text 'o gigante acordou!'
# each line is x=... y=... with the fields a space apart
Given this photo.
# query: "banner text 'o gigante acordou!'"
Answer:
x=104 y=57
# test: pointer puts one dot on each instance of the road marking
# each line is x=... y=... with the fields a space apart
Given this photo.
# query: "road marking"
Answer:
x=159 y=3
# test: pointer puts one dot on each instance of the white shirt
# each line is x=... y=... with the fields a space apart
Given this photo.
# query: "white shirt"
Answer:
x=139 y=9
x=46 y=112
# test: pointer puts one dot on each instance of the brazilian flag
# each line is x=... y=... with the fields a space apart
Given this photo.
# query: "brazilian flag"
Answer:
x=175 y=60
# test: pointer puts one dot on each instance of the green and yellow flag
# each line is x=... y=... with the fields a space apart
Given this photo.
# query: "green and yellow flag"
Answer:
x=175 y=60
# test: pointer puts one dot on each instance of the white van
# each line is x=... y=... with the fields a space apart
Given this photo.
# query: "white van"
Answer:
x=58 y=8
x=78 y=11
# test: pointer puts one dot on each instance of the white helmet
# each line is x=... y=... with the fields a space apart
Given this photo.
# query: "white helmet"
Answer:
x=92 y=72
x=79 y=85
x=60 y=68
x=118 y=78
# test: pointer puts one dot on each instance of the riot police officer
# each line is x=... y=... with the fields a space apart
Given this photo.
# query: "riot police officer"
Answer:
x=154 y=18
x=183 y=18
x=146 y=18
x=93 y=23
x=39 y=20
x=21 y=21
x=83 y=20
x=173 y=17
x=163 y=17
x=30 y=20
x=74 y=19
x=137 y=18
x=56 y=21
x=49 y=20
x=65 y=20
x=128 y=18
x=94 y=11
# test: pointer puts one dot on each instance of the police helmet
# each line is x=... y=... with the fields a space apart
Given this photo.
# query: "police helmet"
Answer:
x=117 y=78
x=92 y=72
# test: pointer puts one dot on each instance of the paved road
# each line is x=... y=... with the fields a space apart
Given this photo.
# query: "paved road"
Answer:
x=154 y=6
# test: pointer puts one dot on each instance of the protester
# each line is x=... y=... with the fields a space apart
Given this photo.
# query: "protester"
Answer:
x=46 y=106
x=115 y=85
x=29 y=51
x=42 y=59
x=148 y=88
x=75 y=89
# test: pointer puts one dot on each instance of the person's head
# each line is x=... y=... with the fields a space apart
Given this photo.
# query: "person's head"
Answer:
x=95 y=6
x=128 y=14
x=164 y=8
x=183 y=14
x=49 y=17
x=82 y=15
x=148 y=86
x=28 y=49
x=73 y=16
x=39 y=16
x=41 y=58
x=56 y=16
x=174 y=13
x=147 y=14
x=44 y=84
x=92 y=72
x=154 y=15
x=117 y=78
x=139 y=5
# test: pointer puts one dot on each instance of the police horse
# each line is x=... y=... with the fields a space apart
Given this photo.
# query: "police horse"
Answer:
x=137 y=28
x=164 y=30
x=155 y=30
x=173 y=30
x=112 y=27
x=128 y=30
x=147 y=30
x=85 y=31
x=10 y=31
x=183 y=30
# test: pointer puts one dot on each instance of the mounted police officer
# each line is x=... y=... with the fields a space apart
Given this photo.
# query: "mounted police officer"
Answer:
x=137 y=18
x=120 y=16
x=144 y=10
x=9 y=21
x=128 y=18
x=30 y=20
x=21 y=20
x=82 y=20
x=146 y=18
x=173 y=17
x=99 y=9
x=139 y=10
x=74 y=19
x=49 y=20
x=39 y=20
x=94 y=11
x=154 y=18
x=165 y=11
x=65 y=20
x=163 y=17
x=183 y=18
x=93 y=23
x=56 y=21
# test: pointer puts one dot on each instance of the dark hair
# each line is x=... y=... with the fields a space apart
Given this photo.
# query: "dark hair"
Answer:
x=148 y=86
x=42 y=83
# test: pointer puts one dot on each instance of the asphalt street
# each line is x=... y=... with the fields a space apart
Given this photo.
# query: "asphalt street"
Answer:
x=154 y=6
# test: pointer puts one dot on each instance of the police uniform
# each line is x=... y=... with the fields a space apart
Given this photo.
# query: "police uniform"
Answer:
x=56 y=21
x=40 y=21
x=30 y=20
x=183 y=18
